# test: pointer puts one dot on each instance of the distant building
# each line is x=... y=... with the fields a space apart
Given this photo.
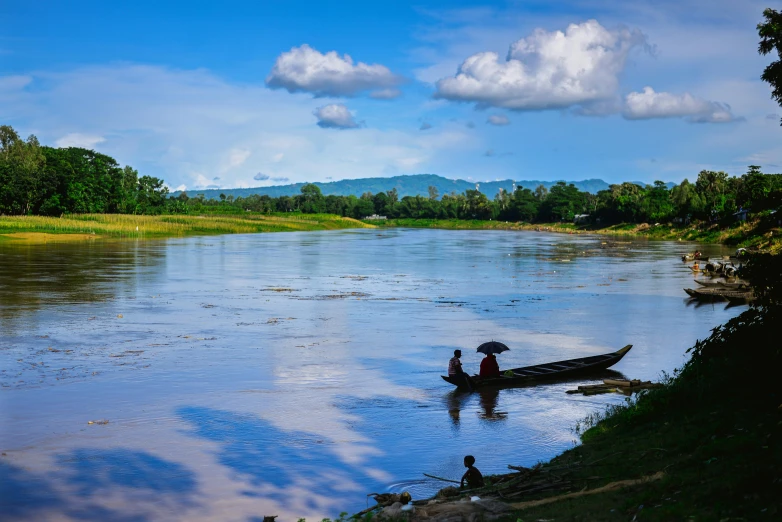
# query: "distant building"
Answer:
x=579 y=219
x=376 y=217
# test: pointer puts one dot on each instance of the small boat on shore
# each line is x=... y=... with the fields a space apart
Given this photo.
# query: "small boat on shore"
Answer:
x=722 y=284
x=716 y=293
x=549 y=371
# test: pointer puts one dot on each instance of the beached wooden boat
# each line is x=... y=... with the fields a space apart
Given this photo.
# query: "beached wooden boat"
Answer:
x=723 y=284
x=717 y=293
x=549 y=371
x=739 y=297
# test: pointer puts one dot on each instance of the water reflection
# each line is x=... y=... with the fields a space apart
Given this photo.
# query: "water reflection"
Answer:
x=295 y=469
x=488 y=401
x=39 y=276
x=292 y=374
x=454 y=401
x=97 y=485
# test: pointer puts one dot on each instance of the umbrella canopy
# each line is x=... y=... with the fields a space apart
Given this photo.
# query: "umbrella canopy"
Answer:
x=492 y=347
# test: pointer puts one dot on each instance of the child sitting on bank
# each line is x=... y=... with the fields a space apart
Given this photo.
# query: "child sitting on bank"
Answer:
x=472 y=475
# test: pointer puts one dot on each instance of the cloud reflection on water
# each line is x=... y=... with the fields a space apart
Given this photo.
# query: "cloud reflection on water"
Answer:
x=334 y=398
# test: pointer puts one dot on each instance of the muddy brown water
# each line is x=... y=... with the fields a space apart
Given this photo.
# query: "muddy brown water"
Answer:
x=292 y=374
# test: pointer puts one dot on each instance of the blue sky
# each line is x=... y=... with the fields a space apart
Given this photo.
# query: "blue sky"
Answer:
x=238 y=94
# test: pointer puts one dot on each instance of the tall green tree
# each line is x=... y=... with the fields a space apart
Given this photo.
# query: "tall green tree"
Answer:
x=312 y=199
x=562 y=203
x=770 y=33
x=656 y=204
x=152 y=194
x=523 y=206
x=23 y=180
x=477 y=205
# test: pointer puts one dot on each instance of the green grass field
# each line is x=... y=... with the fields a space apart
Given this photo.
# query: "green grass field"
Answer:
x=133 y=226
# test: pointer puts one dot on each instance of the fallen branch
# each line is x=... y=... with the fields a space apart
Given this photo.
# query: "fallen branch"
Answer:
x=612 y=486
x=441 y=478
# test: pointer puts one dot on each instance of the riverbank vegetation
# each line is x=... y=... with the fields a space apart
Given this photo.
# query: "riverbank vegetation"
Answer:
x=758 y=232
x=41 y=180
x=79 y=184
x=139 y=226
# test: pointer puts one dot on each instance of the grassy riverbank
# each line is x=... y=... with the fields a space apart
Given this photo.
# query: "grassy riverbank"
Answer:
x=89 y=226
x=755 y=233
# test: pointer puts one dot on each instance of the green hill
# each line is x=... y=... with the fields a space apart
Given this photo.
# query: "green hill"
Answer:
x=417 y=184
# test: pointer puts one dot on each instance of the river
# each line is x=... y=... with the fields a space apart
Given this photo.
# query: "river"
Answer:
x=291 y=374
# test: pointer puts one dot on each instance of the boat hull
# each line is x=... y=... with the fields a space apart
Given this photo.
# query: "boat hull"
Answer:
x=720 y=293
x=546 y=372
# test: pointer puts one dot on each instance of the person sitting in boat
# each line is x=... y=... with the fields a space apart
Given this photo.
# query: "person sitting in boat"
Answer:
x=489 y=367
x=696 y=266
x=455 y=368
x=697 y=254
x=472 y=475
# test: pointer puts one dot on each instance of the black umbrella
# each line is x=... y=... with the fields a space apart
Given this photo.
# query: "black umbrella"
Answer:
x=492 y=347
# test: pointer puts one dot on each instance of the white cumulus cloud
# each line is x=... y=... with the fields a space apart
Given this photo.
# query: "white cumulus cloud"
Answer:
x=75 y=139
x=650 y=104
x=181 y=126
x=335 y=116
x=304 y=69
x=498 y=119
x=546 y=70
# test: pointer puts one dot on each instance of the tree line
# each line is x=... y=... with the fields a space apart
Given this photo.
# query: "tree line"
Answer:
x=714 y=196
x=41 y=180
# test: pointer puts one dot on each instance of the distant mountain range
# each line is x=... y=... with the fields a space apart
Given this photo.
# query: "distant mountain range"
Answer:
x=412 y=185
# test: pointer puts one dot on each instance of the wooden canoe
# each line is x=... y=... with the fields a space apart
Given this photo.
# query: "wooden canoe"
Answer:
x=718 y=293
x=544 y=372
x=723 y=284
